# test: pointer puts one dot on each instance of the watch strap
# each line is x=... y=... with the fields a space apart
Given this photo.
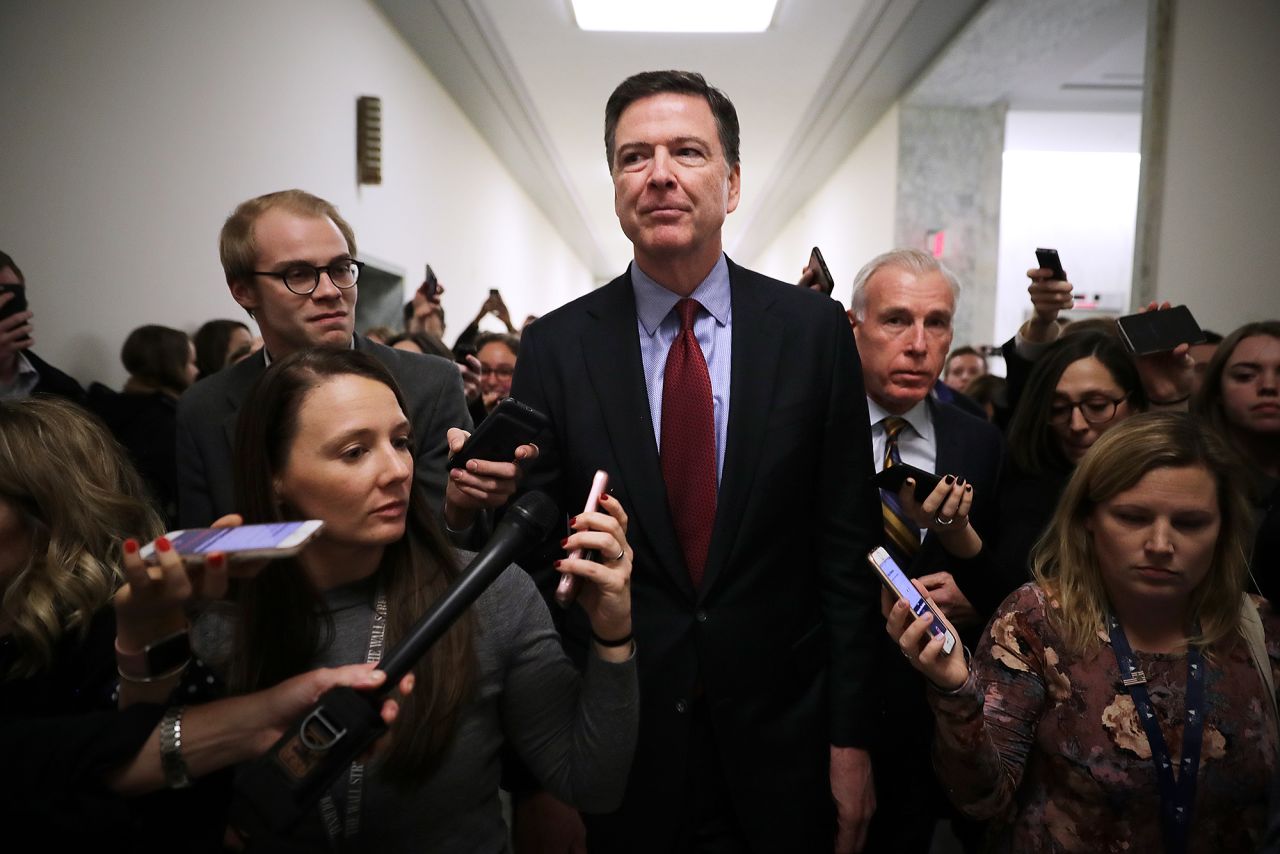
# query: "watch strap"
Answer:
x=176 y=775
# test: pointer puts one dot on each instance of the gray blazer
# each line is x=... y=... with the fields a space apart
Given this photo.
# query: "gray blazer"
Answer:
x=431 y=386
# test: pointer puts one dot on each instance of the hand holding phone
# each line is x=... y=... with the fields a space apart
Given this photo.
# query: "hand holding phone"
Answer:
x=901 y=587
x=510 y=425
x=567 y=589
x=430 y=287
x=15 y=305
x=895 y=476
x=1160 y=330
x=816 y=276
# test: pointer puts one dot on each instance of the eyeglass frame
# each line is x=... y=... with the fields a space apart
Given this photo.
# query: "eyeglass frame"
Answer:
x=1072 y=406
x=327 y=269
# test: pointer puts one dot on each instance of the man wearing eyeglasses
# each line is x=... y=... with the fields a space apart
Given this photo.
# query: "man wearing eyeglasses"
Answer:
x=902 y=308
x=290 y=262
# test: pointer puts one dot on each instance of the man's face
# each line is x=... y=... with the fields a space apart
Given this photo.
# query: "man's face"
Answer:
x=671 y=185
x=904 y=336
x=289 y=322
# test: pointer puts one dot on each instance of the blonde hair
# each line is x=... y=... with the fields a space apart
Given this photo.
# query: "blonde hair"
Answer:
x=1065 y=563
x=236 y=245
x=79 y=497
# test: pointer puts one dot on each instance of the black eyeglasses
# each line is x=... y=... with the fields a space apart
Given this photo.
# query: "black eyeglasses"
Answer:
x=303 y=279
x=1096 y=410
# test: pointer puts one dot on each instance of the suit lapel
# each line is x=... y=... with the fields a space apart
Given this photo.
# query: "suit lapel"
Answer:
x=757 y=347
x=243 y=375
x=611 y=353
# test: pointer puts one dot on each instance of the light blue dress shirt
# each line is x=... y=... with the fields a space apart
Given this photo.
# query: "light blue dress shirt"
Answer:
x=658 y=326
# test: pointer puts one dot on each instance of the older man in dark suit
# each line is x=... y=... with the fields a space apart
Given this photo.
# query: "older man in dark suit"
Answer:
x=901 y=310
x=290 y=261
x=728 y=408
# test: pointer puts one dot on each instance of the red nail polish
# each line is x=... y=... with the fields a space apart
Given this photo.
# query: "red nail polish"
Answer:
x=564 y=542
x=130 y=546
x=163 y=544
x=558 y=563
x=216 y=560
x=572 y=520
x=603 y=498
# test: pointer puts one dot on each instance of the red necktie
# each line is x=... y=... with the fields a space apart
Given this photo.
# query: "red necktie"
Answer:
x=689 y=443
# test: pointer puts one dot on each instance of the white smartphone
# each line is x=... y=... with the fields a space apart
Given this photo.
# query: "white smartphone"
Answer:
x=897 y=582
x=568 y=586
x=246 y=542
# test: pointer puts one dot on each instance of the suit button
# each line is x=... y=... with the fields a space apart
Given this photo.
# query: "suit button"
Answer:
x=701 y=616
x=682 y=706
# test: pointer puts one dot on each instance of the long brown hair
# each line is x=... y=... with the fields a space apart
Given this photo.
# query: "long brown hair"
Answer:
x=1207 y=402
x=282 y=626
x=79 y=499
x=1065 y=563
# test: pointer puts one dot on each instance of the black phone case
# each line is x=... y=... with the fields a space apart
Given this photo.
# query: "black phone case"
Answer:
x=893 y=477
x=1049 y=259
x=1159 y=331
x=510 y=425
x=17 y=304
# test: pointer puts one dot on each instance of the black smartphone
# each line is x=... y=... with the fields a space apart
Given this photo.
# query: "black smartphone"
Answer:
x=1048 y=258
x=1159 y=331
x=430 y=284
x=510 y=425
x=895 y=475
x=16 y=305
x=818 y=263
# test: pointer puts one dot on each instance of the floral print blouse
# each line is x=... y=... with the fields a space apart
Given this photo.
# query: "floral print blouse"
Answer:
x=1047 y=744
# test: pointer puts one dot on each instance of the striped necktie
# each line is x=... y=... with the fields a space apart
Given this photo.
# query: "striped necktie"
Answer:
x=903 y=535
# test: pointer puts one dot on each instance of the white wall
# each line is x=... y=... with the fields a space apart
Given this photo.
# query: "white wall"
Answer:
x=1219 y=206
x=1071 y=183
x=851 y=217
x=131 y=129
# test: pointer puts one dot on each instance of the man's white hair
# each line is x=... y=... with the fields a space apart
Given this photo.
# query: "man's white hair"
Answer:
x=913 y=261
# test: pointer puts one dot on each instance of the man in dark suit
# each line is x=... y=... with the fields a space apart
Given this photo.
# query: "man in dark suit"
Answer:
x=290 y=261
x=901 y=310
x=23 y=373
x=729 y=411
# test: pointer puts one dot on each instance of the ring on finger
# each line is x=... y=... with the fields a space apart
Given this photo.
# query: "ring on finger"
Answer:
x=618 y=556
x=943 y=521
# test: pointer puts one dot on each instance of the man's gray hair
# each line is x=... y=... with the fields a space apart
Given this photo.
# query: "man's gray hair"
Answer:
x=913 y=261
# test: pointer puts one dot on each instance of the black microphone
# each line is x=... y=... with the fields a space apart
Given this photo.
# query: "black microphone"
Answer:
x=284 y=783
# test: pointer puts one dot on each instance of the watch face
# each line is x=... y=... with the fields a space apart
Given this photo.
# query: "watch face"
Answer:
x=168 y=654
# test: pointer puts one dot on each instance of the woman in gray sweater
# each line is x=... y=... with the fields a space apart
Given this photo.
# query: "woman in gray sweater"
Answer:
x=324 y=436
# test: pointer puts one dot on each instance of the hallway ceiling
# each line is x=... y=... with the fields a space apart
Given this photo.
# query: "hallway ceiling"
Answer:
x=807 y=90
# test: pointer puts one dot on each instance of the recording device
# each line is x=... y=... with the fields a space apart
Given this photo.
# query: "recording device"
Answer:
x=17 y=305
x=1159 y=331
x=568 y=586
x=245 y=542
x=1048 y=259
x=283 y=784
x=901 y=586
x=430 y=287
x=892 y=478
x=818 y=264
x=510 y=425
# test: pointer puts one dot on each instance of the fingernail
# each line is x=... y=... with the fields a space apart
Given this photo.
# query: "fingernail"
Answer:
x=960 y=481
x=603 y=498
x=216 y=560
x=163 y=544
x=564 y=542
x=949 y=479
x=572 y=521
x=558 y=563
x=968 y=487
x=130 y=546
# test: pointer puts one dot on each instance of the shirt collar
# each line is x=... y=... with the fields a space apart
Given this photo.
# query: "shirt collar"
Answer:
x=266 y=354
x=654 y=302
x=918 y=416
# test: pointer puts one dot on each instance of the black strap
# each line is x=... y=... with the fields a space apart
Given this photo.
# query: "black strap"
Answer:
x=1177 y=797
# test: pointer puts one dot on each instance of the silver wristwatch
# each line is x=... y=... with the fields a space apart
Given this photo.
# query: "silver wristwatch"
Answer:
x=171 y=761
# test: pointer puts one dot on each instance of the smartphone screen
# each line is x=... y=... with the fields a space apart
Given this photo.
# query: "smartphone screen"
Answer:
x=1159 y=331
x=897 y=581
x=278 y=536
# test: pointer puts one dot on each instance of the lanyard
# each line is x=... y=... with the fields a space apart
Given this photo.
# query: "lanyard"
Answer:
x=1177 y=798
x=355 y=780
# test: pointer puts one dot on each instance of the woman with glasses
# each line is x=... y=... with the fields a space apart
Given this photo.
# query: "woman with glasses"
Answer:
x=1084 y=384
x=1239 y=396
x=1124 y=700
x=497 y=353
